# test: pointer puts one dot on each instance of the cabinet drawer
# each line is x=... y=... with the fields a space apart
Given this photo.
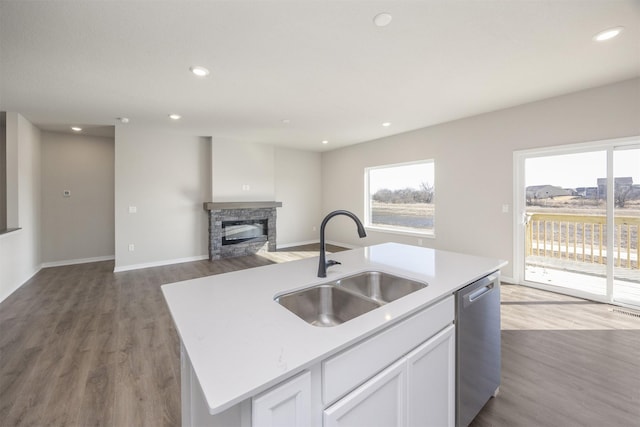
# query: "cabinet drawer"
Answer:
x=345 y=371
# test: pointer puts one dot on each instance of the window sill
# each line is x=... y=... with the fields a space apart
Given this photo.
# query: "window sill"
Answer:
x=8 y=232
x=426 y=234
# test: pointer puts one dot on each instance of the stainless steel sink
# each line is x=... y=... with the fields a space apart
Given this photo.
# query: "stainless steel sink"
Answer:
x=326 y=305
x=381 y=287
x=341 y=300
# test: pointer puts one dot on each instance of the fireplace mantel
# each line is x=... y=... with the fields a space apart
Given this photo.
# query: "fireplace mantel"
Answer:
x=216 y=206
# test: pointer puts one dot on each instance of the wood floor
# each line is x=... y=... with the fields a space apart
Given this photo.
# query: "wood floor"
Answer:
x=565 y=362
x=83 y=346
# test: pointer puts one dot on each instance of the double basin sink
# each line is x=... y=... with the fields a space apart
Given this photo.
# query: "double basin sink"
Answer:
x=338 y=301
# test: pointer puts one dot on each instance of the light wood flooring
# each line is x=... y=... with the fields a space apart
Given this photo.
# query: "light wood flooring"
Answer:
x=83 y=346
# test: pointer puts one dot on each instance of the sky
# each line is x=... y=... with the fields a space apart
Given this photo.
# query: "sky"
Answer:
x=402 y=176
x=581 y=169
x=566 y=171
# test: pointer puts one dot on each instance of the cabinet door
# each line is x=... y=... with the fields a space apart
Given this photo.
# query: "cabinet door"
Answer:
x=431 y=381
x=285 y=405
x=378 y=402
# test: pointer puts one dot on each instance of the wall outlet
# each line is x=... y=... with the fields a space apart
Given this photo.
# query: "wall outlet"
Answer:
x=420 y=242
x=66 y=193
x=314 y=228
x=133 y=209
x=505 y=208
x=132 y=247
x=246 y=187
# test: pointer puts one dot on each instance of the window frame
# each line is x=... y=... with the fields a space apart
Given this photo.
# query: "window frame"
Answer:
x=431 y=233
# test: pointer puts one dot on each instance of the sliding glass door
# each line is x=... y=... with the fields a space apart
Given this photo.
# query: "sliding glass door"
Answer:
x=580 y=219
x=566 y=221
x=626 y=212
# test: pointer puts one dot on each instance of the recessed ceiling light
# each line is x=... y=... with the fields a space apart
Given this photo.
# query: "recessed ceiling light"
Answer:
x=199 y=71
x=386 y=124
x=382 y=19
x=608 y=34
x=175 y=116
x=325 y=142
x=76 y=128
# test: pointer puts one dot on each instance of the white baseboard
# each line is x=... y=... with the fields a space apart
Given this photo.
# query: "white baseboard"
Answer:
x=509 y=280
x=159 y=263
x=77 y=261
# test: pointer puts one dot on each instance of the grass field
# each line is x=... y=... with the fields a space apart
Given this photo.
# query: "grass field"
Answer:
x=406 y=215
x=580 y=206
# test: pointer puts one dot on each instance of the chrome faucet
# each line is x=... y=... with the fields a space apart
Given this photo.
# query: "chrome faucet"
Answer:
x=324 y=264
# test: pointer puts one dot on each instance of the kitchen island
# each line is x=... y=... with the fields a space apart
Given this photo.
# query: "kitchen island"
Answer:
x=245 y=359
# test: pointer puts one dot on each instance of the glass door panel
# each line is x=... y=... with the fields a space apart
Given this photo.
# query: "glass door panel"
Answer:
x=565 y=221
x=626 y=271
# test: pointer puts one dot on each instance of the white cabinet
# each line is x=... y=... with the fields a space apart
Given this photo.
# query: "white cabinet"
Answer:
x=417 y=390
x=403 y=375
x=285 y=405
x=352 y=367
x=378 y=402
x=431 y=377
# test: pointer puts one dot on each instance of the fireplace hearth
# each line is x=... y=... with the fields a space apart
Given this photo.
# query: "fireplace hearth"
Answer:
x=241 y=228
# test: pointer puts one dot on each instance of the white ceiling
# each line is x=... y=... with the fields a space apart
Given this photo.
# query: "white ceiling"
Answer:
x=323 y=65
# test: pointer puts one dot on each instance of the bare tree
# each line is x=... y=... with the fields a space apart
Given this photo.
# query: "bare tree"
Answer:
x=621 y=195
x=428 y=192
x=405 y=195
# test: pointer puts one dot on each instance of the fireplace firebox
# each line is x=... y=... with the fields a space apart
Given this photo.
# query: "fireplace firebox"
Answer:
x=234 y=232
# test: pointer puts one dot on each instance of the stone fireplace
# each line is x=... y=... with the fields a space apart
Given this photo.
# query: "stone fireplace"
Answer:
x=241 y=228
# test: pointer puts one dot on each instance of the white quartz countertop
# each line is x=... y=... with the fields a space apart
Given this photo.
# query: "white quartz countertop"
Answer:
x=241 y=342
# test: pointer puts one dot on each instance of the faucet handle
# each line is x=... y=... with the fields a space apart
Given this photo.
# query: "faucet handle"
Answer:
x=332 y=262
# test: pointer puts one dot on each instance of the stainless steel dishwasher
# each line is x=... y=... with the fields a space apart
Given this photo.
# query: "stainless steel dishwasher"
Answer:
x=477 y=346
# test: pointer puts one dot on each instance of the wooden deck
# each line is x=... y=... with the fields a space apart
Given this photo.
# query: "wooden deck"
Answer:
x=584 y=276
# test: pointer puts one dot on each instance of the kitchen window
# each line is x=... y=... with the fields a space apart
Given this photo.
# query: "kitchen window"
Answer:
x=400 y=198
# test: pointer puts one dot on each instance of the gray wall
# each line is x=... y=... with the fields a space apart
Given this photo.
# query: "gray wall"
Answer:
x=474 y=165
x=236 y=165
x=166 y=176
x=290 y=176
x=79 y=227
x=298 y=186
x=20 y=250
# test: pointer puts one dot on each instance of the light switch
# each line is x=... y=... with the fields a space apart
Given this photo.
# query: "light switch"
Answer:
x=131 y=247
x=505 y=208
x=133 y=209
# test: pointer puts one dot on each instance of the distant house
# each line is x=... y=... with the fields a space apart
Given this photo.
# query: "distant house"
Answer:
x=587 y=192
x=621 y=184
x=546 y=192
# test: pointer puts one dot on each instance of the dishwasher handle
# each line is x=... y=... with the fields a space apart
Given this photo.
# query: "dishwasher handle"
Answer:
x=477 y=293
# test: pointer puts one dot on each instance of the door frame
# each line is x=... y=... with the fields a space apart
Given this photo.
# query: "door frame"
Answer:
x=519 y=198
